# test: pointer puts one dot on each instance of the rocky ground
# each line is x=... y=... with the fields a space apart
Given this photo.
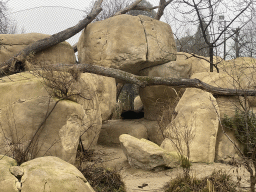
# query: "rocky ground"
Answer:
x=139 y=180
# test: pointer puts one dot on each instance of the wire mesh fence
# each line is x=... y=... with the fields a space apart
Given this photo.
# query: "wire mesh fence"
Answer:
x=48 y=20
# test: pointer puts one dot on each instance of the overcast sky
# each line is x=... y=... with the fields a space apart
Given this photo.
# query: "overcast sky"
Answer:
x=34 y=17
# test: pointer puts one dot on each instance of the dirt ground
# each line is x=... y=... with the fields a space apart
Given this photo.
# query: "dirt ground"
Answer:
x=137 y=180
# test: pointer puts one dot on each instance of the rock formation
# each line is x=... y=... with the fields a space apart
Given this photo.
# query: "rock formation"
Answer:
x=41 y=174
x=11 y=44
x=129 y=43
x=144 y=154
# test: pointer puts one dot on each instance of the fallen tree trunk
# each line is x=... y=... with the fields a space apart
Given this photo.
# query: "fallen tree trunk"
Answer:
x=144 y=81
x=17 y=62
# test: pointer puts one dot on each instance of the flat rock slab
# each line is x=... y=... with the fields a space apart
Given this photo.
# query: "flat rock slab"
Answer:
x=112 y=129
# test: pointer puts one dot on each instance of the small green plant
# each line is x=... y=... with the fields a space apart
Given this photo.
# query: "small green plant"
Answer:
x=185 y=164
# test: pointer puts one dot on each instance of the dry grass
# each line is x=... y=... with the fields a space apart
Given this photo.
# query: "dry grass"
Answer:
x=218 y=181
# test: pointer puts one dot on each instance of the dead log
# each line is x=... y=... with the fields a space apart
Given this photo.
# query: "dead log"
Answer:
x=144 y=81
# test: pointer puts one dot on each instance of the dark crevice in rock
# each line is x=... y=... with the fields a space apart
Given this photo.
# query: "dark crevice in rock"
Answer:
x=145 y=38
x=18 y=172
x=132 y=114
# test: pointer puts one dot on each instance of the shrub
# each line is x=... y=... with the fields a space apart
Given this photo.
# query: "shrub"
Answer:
x=238 y=125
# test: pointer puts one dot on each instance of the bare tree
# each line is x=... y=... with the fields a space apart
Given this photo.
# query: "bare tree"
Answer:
x=117 y=7
x=7 y=26
x=244 y=40
x=206 y=15
x=194 y=43
x=109 y=8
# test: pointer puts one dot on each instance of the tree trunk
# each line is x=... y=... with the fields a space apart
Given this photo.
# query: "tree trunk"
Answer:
x=162 y=5
x=211 y=57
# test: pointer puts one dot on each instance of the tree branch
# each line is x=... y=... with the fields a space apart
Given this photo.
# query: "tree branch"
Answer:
x=144 y=81
x=162 y=5
x=10 y=66
x=142 y=8
x=130 y=7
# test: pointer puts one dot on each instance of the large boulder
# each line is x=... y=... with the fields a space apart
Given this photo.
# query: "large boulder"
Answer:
x=196 y=122
x=158 y=98
x=155 y=134
x=52 y=174
x=126 y=42
x=41 y=174
x=11 y=44
x=32 y=116
x=242 y=71
x=227 y=104
x=144 y=154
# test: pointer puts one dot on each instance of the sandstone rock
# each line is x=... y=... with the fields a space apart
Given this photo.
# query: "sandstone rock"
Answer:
x=146 y=155
x=155 y=134
x=112 y=129
x=158 y=98
x=225 y=149
x=13 y=43
x=17 y=171
x=198 y=63
x=114 y=43
x=227 y=104
x=196 y=116
x=25 y=103
x=105 y=88
x=242 y=71
x=117 y=110
x=52 y=174
x=138 y=105
x=7 y=180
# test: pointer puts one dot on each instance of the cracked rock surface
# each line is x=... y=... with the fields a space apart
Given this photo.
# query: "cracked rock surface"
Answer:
x=126 y=42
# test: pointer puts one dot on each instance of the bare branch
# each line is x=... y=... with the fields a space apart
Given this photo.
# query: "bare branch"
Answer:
x=142 y=8
x=144 y=81
x=232 y=21
x=162 y=5
x=20 y=58
x=129 y=8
